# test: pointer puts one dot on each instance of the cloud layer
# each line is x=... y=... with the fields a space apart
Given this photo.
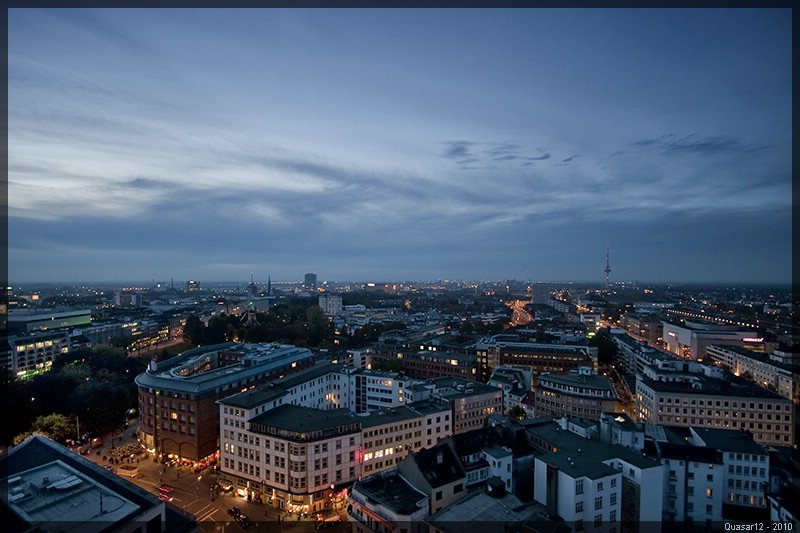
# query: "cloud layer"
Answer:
x=142 y=146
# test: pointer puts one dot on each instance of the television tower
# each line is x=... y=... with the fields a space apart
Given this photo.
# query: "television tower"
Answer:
x=608 y=269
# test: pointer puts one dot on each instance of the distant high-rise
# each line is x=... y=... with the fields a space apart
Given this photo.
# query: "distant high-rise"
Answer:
x=310 y=281
x=607 y=269
x=252 y=286
x=192 y=286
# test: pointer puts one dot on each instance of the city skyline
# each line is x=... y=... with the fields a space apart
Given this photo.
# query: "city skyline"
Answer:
x=394 y=145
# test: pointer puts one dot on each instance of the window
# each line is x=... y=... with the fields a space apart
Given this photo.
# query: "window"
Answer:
x=612 y=516
x=709 y=493
x=599 y=486
x=613 y=482
x=598 y=502
x=438 y=495
x=579 y=507
x=579 y=486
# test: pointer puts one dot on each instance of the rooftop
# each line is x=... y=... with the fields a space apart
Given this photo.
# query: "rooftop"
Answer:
x=438 y=465
x=576 y=380
x=49 y=485
x=480 y=512
x=731 y=387
x=728 y=440
x=196 y=371
x=302 y=420
x=390 y=490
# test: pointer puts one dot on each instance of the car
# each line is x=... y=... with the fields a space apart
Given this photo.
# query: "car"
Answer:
x=109 y=468
x=234 y=512
x=166 y=488
x=165 y=497
x=242 y=520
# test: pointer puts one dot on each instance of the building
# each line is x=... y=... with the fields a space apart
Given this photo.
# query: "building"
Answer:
x=384 y=436
x=310 y=281
x=43 y=320
x=763 y=369
x=389 y=435
x=437 y=473
x=487 y=512
x=697 y=400
x=33 y=352
x=581 y=394
x=192 y=286
x=331 y=304
x=470 y=402
x=645 y=326
x=386 y=502
x=591 y=483
x=541 y=358
x=178 y=414
x=292 y=457
x=745 y=471
x=694 y=484
x=691 y=339
x=47 y=487
x=426 y=364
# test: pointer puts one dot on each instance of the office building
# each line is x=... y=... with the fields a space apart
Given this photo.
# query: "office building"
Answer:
x=690 y=339
x=42 y=320
x=29 y=353
x=581 y=394
x=701 y=401
x=310 y=281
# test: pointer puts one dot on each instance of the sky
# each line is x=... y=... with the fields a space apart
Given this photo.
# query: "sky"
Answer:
x=400 y=145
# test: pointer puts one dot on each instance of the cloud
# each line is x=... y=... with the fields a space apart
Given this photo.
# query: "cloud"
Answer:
x=672 y=144
x=457 y=149
x=539 y=158
x=570 y=158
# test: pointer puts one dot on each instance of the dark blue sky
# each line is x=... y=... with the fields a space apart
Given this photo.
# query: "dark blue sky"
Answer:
x=400 y=144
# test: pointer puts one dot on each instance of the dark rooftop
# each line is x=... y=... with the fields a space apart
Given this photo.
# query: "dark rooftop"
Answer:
x=390 y=490
x=439 y=465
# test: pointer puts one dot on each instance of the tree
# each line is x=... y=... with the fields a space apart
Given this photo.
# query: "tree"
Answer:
x=101 y=405
x=56 y=426
x=194 y=330
x=606 y=347
x=517 y=413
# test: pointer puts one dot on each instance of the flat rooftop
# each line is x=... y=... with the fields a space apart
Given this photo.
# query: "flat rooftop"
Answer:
x=390 y=490
x=480 y=512
x=56 y=492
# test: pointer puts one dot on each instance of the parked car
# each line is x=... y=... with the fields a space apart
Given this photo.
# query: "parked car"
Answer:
x=242 y=520
x=165 y=497
x=166 y=488
x=234 y=512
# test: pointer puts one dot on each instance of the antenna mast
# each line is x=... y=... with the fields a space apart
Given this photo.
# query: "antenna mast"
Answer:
x=608 y=269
